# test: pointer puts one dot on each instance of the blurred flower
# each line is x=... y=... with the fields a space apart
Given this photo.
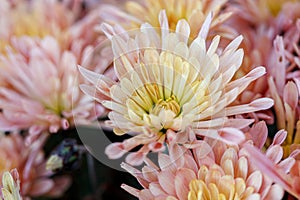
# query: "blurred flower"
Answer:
x=257 y=12
x=29 y=162
x=209 y=170
x=33 y=18
x=166 y=85
x=11 y=186
x=41 y=88
x=134 y=13
x=40 y=19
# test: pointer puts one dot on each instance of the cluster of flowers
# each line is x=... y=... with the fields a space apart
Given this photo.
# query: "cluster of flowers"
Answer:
x=199 y=83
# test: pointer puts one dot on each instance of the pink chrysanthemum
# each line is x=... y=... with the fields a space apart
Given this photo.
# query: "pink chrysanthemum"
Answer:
x=29 y=161
x=167 y=84
x=40 y=88
x=209 y=171
x=283 y=67
x=56 y=19
x=33 y=18
x=259 y=22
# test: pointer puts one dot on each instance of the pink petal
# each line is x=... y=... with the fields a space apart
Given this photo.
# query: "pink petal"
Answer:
x=259 y=134
x=287 y=164
x=182 y=180
x=229 y=154
x=131 y=190
x=290 y=94
x=280 y=72
x=275 y=153
x=166 y=180
x=190 y=163
x=231 y=135
x=279 y=137
x=255 y=180
x=115 y=150
x=136 y=173
x=145 y=195
x=165 y=163
x=176 y=155
x=156 y=189
x=149 y=173
x=238 y=123
x=262 y=103
x=136 y=158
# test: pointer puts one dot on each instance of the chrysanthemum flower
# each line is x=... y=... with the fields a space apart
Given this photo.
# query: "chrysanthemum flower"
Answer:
x=35 y=36
x=33 y=18
x=29 y=162
x=208 y=171
x=135 y=13
x=167 y=85
x=40 y=88
x=40 y=19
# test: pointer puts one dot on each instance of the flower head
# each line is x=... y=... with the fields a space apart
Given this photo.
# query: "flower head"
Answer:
x=167 y=84
x=34 y=19
x=40 y=88
x=30 y=164
x=136 y=13
x=64 y=21
x=208 y=171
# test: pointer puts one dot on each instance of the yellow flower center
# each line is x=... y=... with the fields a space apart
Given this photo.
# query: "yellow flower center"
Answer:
x=214 y=186
x=175 y=10
x=275 y=6
x=158 y=113
x=169 y=104
x=163 y=93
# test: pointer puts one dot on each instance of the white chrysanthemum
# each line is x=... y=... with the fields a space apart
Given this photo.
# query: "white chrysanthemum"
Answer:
x=167 y=84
